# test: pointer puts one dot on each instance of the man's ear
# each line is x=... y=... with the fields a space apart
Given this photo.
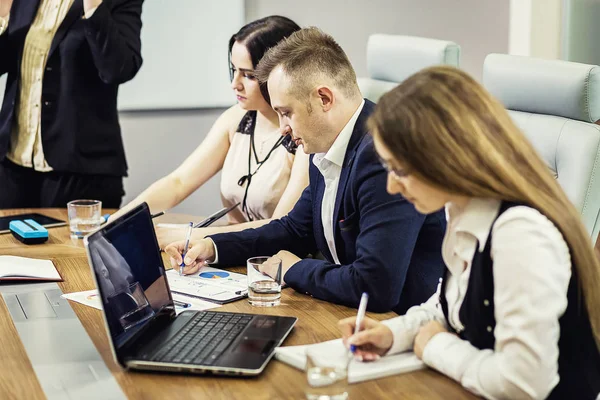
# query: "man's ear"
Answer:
x=326 y=98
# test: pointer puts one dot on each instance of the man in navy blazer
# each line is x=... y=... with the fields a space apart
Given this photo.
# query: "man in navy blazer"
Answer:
x=372 y=241
x=60 y=137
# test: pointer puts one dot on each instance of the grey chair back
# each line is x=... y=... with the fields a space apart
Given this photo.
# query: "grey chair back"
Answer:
x=556 y=103
x=393 y=58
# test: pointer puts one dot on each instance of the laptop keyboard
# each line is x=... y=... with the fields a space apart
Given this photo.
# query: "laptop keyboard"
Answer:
x=203 y=339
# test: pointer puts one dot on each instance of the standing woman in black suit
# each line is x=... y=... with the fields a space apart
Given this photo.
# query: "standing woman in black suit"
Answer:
x=60 y=137
x=517 y=315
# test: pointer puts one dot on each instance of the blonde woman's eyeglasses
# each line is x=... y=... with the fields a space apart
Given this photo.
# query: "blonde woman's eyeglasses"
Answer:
x=397 y=173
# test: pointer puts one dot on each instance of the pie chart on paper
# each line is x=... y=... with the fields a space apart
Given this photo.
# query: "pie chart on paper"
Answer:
x=214 y=275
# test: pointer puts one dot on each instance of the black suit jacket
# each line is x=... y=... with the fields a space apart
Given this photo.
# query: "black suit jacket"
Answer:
x=88 y=60
x=385 y=247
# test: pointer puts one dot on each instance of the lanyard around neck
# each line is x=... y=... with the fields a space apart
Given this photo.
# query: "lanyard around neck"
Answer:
x=246 y=179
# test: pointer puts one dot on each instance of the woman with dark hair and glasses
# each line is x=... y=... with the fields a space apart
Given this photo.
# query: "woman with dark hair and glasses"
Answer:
x=260 y=168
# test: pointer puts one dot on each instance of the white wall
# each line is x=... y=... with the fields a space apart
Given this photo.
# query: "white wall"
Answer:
x=535 y=28
x=156 y=142
x=480 y=27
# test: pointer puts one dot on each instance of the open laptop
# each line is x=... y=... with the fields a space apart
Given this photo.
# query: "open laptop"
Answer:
x=139 y=313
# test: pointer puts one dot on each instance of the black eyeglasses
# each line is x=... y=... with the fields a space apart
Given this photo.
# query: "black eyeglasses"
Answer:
x=396 y=172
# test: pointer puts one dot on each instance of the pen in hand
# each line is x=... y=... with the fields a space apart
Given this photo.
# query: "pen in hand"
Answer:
x=362 y=309
x=185 y=248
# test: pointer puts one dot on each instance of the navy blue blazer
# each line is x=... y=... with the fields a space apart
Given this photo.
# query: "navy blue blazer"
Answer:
x=386 y=248
x=88 y=59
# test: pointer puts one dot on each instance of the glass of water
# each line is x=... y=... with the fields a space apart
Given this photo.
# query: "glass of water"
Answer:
x=327 y=373
x=85 y=216
x=264 y=281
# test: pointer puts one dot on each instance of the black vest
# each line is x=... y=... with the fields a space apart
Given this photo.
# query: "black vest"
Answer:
x=579 y=358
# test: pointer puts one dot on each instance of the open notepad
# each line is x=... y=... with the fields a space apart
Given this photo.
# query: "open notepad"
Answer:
x=14 y=268
x=357 y=371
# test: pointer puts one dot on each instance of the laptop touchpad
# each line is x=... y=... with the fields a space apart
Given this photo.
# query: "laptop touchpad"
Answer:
x=249 y=353
x=35 y=305
x=254 y=346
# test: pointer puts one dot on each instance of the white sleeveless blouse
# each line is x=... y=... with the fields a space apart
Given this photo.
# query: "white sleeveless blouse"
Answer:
x=267 y=185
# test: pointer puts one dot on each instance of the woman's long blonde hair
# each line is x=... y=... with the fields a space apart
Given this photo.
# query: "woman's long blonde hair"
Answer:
x=446 y=129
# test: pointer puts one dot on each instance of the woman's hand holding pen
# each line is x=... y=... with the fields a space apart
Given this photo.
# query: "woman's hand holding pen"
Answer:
x=199 y=252
x=374 y=339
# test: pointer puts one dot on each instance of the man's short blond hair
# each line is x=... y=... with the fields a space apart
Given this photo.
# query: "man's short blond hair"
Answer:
x=305 y=55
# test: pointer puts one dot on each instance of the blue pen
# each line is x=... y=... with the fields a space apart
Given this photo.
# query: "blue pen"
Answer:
x=181 y=304
x=362 y=309
x=185 y=249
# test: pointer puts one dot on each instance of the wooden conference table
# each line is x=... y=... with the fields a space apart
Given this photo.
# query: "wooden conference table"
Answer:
x=317 y=321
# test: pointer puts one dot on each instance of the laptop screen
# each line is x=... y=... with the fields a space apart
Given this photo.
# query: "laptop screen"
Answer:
x=129 y=271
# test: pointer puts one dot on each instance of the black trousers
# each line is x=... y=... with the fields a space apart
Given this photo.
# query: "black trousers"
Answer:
x=27 y=188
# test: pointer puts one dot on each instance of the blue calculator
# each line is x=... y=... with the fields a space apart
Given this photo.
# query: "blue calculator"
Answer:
x=28 y=231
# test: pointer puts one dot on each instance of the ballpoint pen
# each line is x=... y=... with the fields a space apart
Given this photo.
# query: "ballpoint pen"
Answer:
x=105 y=217
x=185 y=249
x=214 y=217
x=181 y=304
x=158 y=214
x=362 y=308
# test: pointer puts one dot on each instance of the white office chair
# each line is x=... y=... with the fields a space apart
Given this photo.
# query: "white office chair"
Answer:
x=392 y=58
x=556 y=104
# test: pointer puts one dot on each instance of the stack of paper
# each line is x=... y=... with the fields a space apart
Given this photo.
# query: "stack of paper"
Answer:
x=91 y=298
x=357 y=371
x=210 y=284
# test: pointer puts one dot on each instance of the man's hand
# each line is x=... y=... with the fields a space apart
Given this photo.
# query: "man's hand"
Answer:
x=287 y=261
x=5 y=6
x=199 y=253
x=426 y=332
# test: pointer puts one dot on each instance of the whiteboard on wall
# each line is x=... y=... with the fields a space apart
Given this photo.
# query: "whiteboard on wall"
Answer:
x=184 y=47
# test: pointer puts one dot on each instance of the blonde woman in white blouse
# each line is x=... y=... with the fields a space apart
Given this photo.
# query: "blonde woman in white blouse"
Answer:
x=517 y=315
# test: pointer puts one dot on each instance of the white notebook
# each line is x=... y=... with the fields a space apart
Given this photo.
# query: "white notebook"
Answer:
x=357 y=371
x=14 y=268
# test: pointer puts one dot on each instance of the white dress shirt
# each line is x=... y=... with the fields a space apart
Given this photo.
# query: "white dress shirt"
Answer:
x=330 y=166
x=532 y=269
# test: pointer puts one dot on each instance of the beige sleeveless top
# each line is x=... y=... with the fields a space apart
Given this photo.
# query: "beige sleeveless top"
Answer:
x=267 y=184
